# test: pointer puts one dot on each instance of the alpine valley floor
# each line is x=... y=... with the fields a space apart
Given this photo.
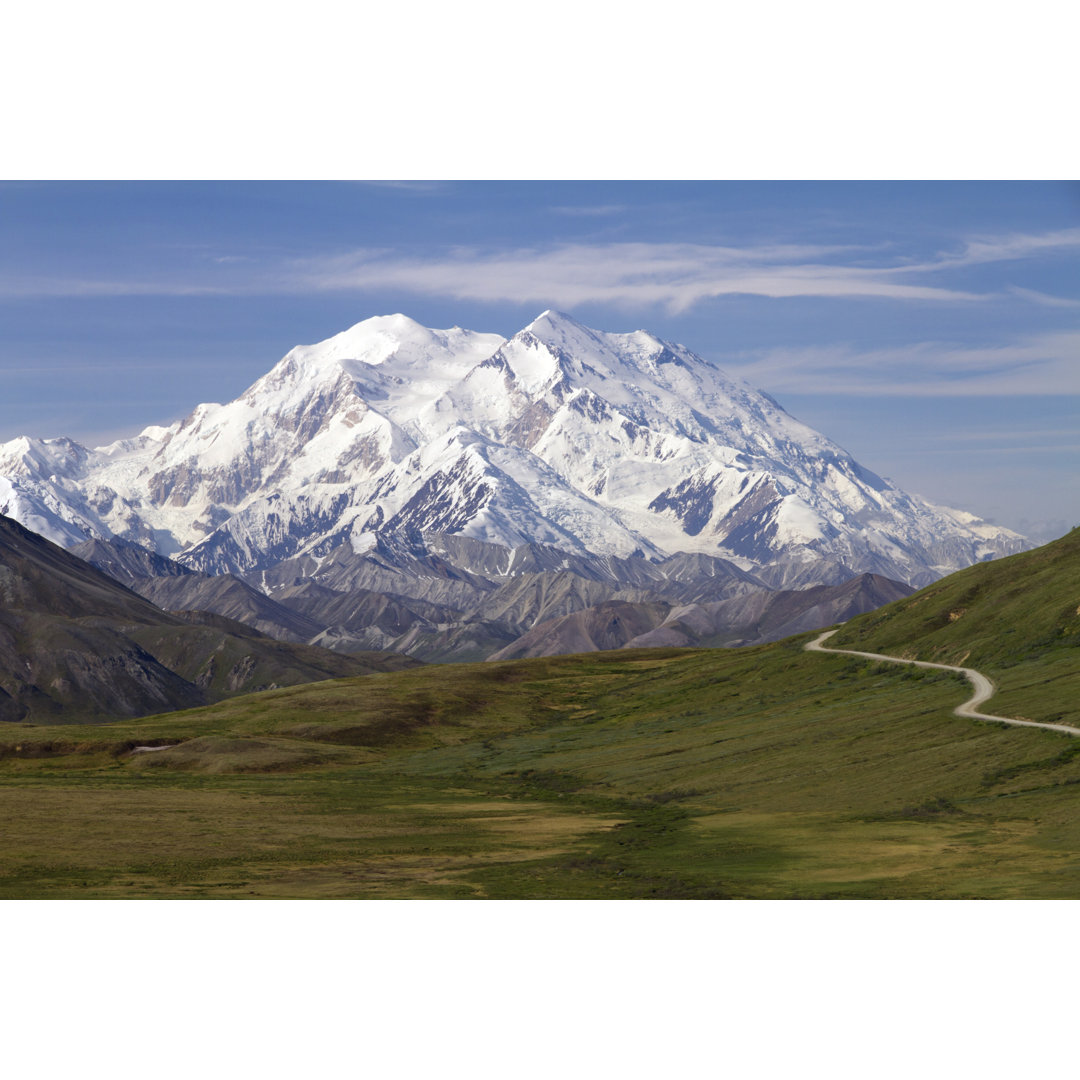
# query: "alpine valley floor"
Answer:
x=764 y=772
x=759 y=773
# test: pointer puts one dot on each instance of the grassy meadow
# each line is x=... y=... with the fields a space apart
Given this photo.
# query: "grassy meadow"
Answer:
x=757 y=773
x=1017 y=620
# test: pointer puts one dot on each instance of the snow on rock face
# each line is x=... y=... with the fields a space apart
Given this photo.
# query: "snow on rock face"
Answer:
x=38 y=512
x=610 y=444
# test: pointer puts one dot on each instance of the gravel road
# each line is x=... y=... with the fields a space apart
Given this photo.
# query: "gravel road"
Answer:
x=984 y=688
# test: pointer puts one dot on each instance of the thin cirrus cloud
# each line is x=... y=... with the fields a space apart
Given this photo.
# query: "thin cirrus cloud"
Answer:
x=1039 y=364
x=1045 y=299
x=416 y=187
x=42 y=286
x=1007 y=248
x=607 y=210
x=676 y=276
x=680 y=275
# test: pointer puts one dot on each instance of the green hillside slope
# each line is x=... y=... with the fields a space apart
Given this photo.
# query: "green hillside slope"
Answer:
x=765 y=772
x=1015 y=619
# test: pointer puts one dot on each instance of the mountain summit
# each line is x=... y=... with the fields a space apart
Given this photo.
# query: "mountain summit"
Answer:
x=590 y=442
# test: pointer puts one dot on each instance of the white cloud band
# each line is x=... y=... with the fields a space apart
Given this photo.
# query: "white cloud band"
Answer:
x=674 y=275
x=1040 y=364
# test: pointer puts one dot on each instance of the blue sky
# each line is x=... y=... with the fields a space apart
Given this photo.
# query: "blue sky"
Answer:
x=933 y=329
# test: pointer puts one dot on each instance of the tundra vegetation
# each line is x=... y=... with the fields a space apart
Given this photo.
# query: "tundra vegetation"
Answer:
x=765 y=772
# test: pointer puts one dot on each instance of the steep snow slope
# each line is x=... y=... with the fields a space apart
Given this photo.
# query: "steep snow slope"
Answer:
x=696 y=461
x=609 y=444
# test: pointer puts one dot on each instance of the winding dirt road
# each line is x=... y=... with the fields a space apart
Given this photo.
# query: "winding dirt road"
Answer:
x=984 y=688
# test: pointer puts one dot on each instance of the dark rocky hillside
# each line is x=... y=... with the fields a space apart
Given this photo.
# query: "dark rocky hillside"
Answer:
x=445 y=598
x=76 y=646
x=752 y=618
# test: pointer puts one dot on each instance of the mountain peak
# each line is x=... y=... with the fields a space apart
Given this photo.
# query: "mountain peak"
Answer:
x=374 y=340
x=607 y=442
x=556 y=328
x=396 y=323
x=561 y=333
x=554 y=316
x=552 y=322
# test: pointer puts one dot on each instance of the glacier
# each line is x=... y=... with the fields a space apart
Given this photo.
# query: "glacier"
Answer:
x=595 y=443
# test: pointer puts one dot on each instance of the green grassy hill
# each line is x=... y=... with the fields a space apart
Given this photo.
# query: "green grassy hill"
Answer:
x=1015 y=619
x=766 y=772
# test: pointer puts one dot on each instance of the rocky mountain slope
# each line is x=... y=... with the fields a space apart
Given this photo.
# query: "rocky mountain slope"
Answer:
x=173 y=587
x=684 y=600
x=750 y=619
x=595 y=444
x=75 y=645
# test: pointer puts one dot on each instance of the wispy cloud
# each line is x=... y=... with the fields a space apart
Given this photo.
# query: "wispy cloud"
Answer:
x=999 y=436
x=1040 y=364
x=1006 y=248
x=31 y=287
x=416 y=187
x=588 y=211
x=1045 y=299
x=1009 y=451
x=675 y=276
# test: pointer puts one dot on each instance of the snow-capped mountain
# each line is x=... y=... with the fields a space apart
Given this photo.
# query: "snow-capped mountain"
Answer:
x=594 y=443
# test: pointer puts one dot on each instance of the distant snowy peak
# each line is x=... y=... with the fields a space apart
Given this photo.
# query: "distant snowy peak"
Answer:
x=594 y=443
x=30 y=457
x=633 y=379
x=395 y=365
x=43 y=513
